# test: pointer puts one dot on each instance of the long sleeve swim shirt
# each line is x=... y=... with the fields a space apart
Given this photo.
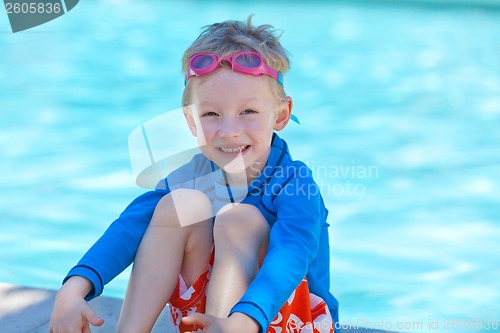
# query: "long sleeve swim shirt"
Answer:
x=286 y=195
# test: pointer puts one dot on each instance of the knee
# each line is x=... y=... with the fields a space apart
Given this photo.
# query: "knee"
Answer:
x=183 y=207
x=240 y=224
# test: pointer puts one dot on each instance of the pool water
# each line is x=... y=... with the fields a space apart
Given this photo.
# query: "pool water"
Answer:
x=400 y=116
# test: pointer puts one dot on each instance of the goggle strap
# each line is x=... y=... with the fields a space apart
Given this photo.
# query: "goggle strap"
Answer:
x=294 y=118
x=280 y=79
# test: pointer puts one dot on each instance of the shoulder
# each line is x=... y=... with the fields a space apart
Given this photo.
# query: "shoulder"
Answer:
x=287 y=169
x=291 y=182
x=295 y=180
x=294 y=195
x=292 y=190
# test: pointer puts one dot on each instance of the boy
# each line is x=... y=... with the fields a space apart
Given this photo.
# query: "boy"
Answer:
x=236 y=239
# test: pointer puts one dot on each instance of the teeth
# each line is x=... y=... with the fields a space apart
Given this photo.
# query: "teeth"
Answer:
x=233 y=150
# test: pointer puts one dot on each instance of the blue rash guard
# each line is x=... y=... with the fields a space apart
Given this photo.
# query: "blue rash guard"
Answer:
x=287 y=196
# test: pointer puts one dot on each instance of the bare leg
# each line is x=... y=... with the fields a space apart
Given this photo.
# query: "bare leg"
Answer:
x=241 y=237
x=170 y=246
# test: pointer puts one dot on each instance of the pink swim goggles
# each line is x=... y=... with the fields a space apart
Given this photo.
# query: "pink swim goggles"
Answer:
x=245 y=62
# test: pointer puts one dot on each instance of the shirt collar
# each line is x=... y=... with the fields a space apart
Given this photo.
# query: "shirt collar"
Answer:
x=279 y=150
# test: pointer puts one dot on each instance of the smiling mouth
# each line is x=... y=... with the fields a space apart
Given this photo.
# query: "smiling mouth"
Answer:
x=233 y=150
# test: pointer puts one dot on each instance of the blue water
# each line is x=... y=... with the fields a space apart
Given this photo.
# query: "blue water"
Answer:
x=400 y=113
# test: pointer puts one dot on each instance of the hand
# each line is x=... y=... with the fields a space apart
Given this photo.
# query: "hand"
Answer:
x=72 y=314
x=237 y=322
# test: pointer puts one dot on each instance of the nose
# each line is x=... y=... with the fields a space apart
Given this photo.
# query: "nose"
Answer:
x=229 y=127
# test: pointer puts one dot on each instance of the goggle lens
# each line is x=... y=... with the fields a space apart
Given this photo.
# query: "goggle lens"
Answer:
x=202 y=61
x=248 y=60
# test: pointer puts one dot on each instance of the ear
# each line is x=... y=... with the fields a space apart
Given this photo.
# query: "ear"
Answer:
x=188 y=114
x=284 y=113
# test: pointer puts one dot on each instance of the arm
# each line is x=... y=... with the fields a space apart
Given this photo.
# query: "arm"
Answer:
x=116 y=248
x=108 y=257
x=294 y=243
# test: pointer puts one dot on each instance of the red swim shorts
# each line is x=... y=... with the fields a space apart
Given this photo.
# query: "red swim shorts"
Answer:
x=303 y=312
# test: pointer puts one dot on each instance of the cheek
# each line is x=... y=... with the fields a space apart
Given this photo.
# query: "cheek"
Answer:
x=268 y=125
x=262 y=133
x=207 y=129
x=207 y=132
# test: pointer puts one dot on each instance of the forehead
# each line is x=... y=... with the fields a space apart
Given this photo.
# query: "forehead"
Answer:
x=227 y=84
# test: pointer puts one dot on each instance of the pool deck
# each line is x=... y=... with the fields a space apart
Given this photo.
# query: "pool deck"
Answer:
x=27 y=310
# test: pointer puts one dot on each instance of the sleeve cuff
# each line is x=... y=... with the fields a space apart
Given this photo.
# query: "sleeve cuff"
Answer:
x=254 y=311
x=90 y=274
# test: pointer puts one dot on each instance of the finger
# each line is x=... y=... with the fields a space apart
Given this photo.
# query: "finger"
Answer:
x=197 y=319
x=92 y=317
x=86 y=329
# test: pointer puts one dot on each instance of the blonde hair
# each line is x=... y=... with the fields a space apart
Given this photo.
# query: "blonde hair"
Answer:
x=231 y=36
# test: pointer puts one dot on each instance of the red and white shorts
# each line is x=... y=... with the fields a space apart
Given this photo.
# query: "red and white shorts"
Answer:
x=303 y=312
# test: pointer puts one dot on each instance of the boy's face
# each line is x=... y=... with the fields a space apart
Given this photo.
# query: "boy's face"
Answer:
x=234 y=119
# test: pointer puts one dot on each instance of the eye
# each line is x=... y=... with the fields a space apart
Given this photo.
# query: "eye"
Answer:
x=249 y=111
x=209 y=114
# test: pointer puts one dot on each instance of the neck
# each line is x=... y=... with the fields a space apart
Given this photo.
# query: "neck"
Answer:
x=236 y=180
